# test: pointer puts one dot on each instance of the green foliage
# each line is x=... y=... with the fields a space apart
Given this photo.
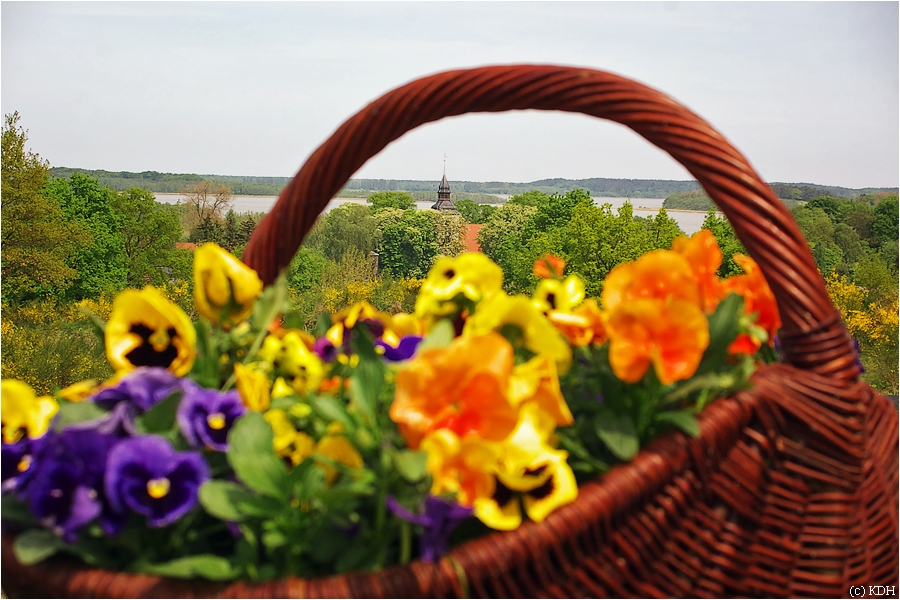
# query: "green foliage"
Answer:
x=474 y=213
x=38 y=243
x=692 y=200
x=149 y=233
x=398 y=200
x=728 y=243
x=407 y=242
x=305 y=270
x=350 y=226
x=884 y=222
x=101 y=266
x=532 y=198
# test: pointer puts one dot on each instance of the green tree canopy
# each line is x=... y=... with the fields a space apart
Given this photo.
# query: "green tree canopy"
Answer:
x=37 y=241
x=149 y=233
x=399 y=200
x=101 y=265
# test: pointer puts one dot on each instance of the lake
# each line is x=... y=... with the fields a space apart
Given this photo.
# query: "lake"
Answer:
x=690 y=221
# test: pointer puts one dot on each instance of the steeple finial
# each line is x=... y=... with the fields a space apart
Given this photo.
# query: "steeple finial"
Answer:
x=445 y=164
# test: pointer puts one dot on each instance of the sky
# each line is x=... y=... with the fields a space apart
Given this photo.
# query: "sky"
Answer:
x=807 y=91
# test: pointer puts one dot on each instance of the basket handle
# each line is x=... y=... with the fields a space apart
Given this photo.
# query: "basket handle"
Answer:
x=812 y=337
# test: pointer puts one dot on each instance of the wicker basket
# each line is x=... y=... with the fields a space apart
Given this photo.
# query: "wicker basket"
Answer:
x=791 y=490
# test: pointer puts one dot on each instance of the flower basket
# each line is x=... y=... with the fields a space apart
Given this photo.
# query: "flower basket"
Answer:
x=791 y=488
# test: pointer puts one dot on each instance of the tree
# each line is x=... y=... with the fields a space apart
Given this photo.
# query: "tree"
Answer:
x=399 y=200
x=230 y=233
x=884 y=222
x=474 y=213
x=407 y=242
x=206 y=199
x=37 y=242
x=663 y=229
x=728 y=242
x=150 y=231
x=500 y=238
x=532 y=198
x=345 y=227
x=101 y=264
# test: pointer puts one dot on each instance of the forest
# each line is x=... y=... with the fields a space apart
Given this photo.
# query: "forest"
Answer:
x=72 y=240
x=478 y=191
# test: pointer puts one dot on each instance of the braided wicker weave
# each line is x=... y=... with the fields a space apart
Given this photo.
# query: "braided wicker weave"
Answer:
x=792 y=488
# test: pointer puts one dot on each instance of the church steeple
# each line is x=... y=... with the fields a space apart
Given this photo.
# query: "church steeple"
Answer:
x=444 y=202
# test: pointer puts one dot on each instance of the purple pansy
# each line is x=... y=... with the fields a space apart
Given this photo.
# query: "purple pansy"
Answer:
x=17 y=462
x=66 y=489
x=145 y=474
x=440 y=519
x=206 y=416
x=404 y=349
x=325 y=349
x=142 y=388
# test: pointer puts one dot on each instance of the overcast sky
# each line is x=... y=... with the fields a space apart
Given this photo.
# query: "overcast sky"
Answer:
x=808 y=91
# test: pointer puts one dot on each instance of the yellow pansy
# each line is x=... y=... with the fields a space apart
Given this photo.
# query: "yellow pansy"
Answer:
x=403 y=324
x=253 y=387
x=146 y=330
x=562 y=296
x=283 y=429
x=518 y=316
x=23 y=412
x=471 y=274
x=529 y=467
x=301 y=362
x=340 y=450
x=280 y=388
x=224 y=287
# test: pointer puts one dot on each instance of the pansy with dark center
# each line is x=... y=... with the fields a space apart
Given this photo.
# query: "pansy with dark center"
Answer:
x=66 y=489
x=440 y=519
x=145 y=474
x=206 y=416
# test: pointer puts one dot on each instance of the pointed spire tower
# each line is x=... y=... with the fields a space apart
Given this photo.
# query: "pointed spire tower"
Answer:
x=444 y=202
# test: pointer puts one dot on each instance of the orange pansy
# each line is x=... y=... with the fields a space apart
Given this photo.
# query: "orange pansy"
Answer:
x=671 y=336
x=758 y=296
x=660 y=274
x=461 y=387
x=704 y=256
x=461 y=466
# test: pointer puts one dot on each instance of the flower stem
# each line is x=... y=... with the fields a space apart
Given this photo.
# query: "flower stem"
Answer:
x=405 y=541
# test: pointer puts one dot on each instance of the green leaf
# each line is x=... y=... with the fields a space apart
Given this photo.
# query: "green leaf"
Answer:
x=260 y=506
x=271 y=303
x=207 y=566
x=330 y=409
x=368 y=376
x=441 y=334
x=77 y=412
x=410 y=464
x=160 y=418
x=251 y=455
x=222 y=499
x=618 y=434
x=683 y=420
x=35 y=545
x=723 y=329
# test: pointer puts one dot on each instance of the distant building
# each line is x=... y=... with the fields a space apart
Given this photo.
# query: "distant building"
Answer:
x=444 y=202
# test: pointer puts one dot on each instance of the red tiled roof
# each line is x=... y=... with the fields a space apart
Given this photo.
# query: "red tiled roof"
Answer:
x=472 y=237
x=185 y=245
